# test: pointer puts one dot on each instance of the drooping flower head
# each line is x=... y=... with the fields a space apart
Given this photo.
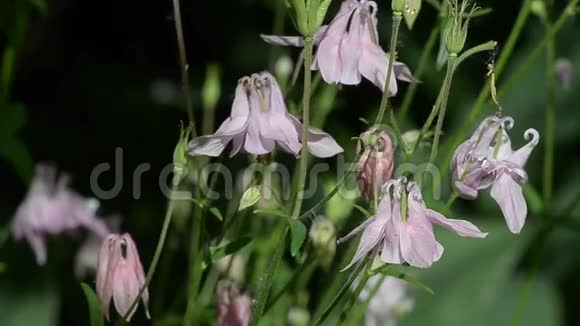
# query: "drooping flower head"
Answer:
x=233 y=307
x=375 y=165
x=390 y=302
x=402 y=229
x=487 y=159
x=52 y=208
x=259 y=120
x=120 y=275
x=348 y=48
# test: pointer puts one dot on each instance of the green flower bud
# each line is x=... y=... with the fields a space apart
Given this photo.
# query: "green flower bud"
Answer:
x=210 y=93
x=411 y=12
x=180 y=158
x=455 y=32
x=538 y=7
x=398 y=5
x=323 y=236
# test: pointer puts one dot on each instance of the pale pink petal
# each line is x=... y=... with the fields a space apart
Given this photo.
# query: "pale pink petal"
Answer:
x=461 y=227
x=328 y=56
x=418 y=245
x=508 y=195
x=134 y=260
x=125 y=289
x=402 y=72
x=38 y=245
x=255 y=143
x=373 y=66
x=350 y=49
x=520 y=157
x=391 y=245
x=368 y=241
x=297 y=41
x=321 y=144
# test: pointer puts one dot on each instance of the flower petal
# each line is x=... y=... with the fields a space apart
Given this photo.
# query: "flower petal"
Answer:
x=418 y=245
x=321 y=144
x=520 y=157
x=328 y=56
x=402 y=72
x=461 y=227
x=368 y=241
x=297 y=41
x=350 y=50
x=508 y=195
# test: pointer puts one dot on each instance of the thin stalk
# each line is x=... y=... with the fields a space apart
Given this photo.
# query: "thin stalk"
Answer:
x=268 y=277
x=397 y=17
x=322 y=316
x=306 y=98
x=156 y=256
x=185 y=85
x=450 y=202
x=195 y=261
x=444 y=100
x=354 y=298
x=421 y=66
x=427 y=123
x=550 y=125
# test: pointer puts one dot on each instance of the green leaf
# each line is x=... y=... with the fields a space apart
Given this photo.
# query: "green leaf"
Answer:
x=12 y=119
x=250 y=197
x=298 y=232
x=412 y=9
x=362 y=210
x=230 y=248
x=15 y=152
x=216 y=212
x=533 y=198
x=270 y=212
x=31 y=302
x=94 y=305
x=409 y=279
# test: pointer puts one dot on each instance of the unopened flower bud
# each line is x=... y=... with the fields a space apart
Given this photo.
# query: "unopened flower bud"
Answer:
x=233 y=307
x=398 y=5
x=323 y=236
x=180 y=159
x=283 y=69
x=455 y=32
x=210 y=93
x=375 y=165
x=120 y=275
x=564 y=72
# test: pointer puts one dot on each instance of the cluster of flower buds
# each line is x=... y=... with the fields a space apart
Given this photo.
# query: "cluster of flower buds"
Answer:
x=375 y=165
x=348 y=48
x=52 y=208
x=487 y=159
x=402 y=229
x=260 y=120
x=120 y=275
x=233 y=307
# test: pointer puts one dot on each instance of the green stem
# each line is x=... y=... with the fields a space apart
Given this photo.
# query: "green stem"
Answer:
x=550 y=124
x=421 y=66
x=444 y=100
x=303 y=164
x=450 y=202
x=322 y=316
x=488 y=46
x=397 y=17
x=354 y=298
x=268 y=278
x=195 y=262
x=185 y=85
x=156 y=256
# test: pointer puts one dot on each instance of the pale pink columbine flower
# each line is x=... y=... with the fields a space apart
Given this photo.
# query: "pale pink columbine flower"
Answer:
x=487 y=159
x=408 y=238
x=87 y=256
x=52 y=208
x=233 y=307
x=391 y=301
x=348 y=48
x=260 y=120
x=120 y=275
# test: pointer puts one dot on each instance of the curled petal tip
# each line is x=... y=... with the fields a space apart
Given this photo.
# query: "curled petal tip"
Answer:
x=532 y=135
x=508 y=122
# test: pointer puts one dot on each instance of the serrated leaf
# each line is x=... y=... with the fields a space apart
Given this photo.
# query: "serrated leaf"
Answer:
x=412 y=9
x=94 y=305
x=250 y=197
x=270 y=212
x=298 y=235
x=216 y=212
x=230 y=248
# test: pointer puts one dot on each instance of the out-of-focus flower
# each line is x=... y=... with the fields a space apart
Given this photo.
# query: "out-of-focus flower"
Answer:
x=390 y=302
x=120 y=275
x=564 y=72
x=402 y=229
x=233 y=307
x=259 y=120
x=375 y=165
x=348 y=48
x=52 y=208
x=487 y=159
x=87 y=257
x=323 y=236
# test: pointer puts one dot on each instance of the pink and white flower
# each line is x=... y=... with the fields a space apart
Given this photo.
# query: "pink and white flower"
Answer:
x=259 y=120
x=233 y=307
x=348 y=48
x=52 y=208
x=402 y=229
x=120 y=275
x=486 y=160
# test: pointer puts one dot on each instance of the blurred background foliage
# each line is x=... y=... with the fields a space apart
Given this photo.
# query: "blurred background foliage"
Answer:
x=79 y=79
